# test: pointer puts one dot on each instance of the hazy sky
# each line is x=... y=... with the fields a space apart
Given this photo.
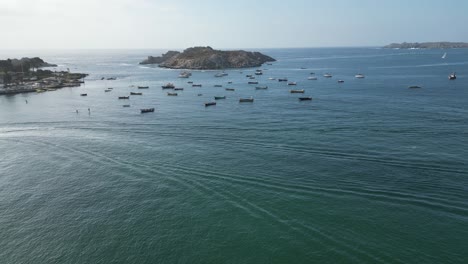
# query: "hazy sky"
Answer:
x=90 y=24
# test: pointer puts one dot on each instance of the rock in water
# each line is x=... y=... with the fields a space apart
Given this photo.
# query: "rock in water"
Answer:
x=206 y=58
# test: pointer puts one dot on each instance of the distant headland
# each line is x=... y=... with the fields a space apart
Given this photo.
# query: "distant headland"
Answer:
x=207 y=58
x=428 y=45
x=24 y=75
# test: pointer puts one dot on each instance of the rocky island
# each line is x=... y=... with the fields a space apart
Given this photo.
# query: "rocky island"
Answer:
x=207 y=58
x=25 y=75
x=428 y=45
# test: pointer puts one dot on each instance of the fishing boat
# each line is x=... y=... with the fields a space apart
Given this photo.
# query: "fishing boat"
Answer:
x=283 y=80
x=143 y=87
x=147 y=110
x=230 y=89
x=359 y=76
x=261 y=87
x=124 y=97
x=168 y=86
x=246 y=100
x=452 y=76
x=171 y=94
x=327 y=75
x=312 y=78
x=196 y=85
x=210 y=104
x=414 y=87
x=297 y=91
x=83 y=94
x=253 y=82
x=178 y=89
x=308 y=98
x=219 y=97
x=133 y=93
x=292 y=83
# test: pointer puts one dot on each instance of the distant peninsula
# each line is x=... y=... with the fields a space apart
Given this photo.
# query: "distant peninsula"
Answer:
x=207 y=58
x=25 y=75
x=428 y=45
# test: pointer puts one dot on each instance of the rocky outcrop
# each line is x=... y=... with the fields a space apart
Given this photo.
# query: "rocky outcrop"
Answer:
x=207 y=58
x=427 y=45
x=161 y=59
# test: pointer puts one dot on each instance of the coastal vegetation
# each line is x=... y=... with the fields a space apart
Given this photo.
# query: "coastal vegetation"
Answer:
x=427 y=45
x=207 y=58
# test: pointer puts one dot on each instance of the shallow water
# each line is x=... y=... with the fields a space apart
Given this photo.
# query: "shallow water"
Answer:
x=369 y=171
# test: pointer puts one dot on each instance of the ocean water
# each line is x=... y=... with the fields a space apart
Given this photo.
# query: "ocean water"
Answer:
x=369 y=171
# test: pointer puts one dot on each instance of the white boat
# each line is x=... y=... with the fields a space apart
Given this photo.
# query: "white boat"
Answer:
x=444 y=56
x=359 y=76
x=312 y=78
x=327 y=75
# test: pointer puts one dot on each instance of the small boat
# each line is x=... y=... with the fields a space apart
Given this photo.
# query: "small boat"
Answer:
x=111 y=79
x=444 y=56
x=359 y=76
x=248 y=75
x=171 y=94
x=190 y=82
x=143 y=87
x=261 y=87
x=218 y=85
x=125 y=105
x=452 y=76
x=327 y=75
x=303 y=68
x=230 y=89
x=308 y=98
x=124 y=97
x=297 y=91
x=259 y=72
x=133 y=93
x=246 y=100
x=312 y=73
x=107 y=90
x=219 y=97
x=178 y=89
x=147 y=110
x=229 y=82
x=196 y=85
x=83 y=94
x=271 y=78
x=185 y=74
x=340 y=81
x=103 y=78
x=210 y=104
x=414 y=87
x=168 y=86
x=283 y=80
x=199 y=94
x=253 y=82
x=221 y=74
x=292 y=83
x=252 y=78
x=312 y=78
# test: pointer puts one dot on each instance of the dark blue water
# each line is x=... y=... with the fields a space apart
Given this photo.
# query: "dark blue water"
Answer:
x=369 y=171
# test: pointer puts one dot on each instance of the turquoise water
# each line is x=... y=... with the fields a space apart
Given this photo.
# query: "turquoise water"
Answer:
x=369 y=171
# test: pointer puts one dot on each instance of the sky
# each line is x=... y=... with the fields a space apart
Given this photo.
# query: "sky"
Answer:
x=177 y=24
